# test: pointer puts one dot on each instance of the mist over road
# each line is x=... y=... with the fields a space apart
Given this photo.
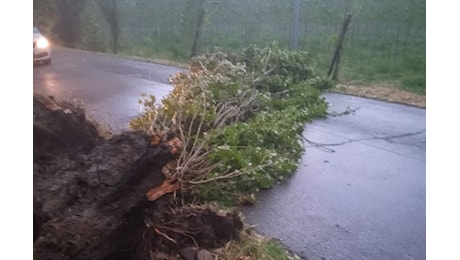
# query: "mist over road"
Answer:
x=108 y=87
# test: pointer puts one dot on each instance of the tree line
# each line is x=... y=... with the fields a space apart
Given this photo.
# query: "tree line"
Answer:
x=178 y=29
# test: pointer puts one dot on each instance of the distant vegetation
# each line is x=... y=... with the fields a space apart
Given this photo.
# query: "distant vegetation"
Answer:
x=385 y=42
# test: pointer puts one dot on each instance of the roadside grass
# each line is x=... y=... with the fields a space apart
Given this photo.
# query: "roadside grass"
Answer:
x=376 y=67
x=168 y=48
x=152 y=59
x=250 y=245
x=386 y=64
x=254 y=246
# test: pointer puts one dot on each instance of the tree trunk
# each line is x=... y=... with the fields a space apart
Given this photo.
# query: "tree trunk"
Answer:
x=294 y=39
x=115 y=37
x=109 y=10
x=305 y=35
x=197 y=34
x=69 y=20
x=286 y=29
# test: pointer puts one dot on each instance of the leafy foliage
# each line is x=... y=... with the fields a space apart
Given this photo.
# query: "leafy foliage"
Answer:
x=68 y=23
x=44 y=15
x=95 y=35
x=241 y=116
x=283 y=68
x=110 y=12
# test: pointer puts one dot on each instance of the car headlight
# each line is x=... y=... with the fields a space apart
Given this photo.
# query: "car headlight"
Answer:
x=42 y=43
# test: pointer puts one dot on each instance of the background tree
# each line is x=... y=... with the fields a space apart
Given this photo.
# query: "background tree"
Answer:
x=68 y=22
x=294 y=43
x=386 y=38
x=111 y=14
x=44 y=15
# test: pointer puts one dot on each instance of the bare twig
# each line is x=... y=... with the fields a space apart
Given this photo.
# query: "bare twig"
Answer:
x=230 y=175
x=178 y=231
x=346 y=112
x=164 y=235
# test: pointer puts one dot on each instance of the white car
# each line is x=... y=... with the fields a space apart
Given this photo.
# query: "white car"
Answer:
x=42 y=51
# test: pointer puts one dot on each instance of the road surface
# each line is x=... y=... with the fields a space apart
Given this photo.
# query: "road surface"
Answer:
x=107 y=87
x=359 y=192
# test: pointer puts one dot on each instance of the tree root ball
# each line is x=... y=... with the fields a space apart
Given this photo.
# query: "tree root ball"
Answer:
x=90 y=194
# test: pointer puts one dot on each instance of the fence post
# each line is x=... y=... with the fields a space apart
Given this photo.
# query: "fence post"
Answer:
x=334 y=67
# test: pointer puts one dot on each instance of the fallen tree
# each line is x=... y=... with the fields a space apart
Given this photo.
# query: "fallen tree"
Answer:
x=109 y=199
x=241 y=116
x=230 y=126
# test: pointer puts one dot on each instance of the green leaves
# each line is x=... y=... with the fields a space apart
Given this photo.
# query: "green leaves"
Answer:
x=241 y=117
x=265 y=181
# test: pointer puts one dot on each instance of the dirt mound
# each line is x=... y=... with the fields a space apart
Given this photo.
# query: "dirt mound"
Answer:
x=60 y=129
x=384 y=94
x=92 y=196
x=192 y=226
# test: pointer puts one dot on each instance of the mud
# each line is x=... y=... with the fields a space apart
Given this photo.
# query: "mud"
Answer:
x=90 y=194
x=388 y=94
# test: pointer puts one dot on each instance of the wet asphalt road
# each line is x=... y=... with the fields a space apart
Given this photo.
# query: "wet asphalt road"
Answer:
x=107 y=87
x=359 y=192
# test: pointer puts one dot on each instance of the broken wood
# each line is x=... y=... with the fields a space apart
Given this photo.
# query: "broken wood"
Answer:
x=166 y=187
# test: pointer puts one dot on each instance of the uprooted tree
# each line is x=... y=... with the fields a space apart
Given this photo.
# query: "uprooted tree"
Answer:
x=230 y=127
x=240 y=116
x=103 y=199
